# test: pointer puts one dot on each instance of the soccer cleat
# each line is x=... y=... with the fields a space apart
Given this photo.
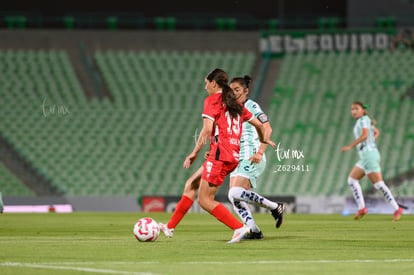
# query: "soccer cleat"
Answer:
x=278 y=214
x=254 y=236
x=167 y=231
x=239 y=234
x=361 y=212
x=397 y=214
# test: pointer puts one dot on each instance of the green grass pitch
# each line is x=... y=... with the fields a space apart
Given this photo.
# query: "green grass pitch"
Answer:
x=103 y=243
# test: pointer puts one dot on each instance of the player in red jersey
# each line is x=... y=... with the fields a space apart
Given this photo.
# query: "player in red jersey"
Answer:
x=222 y=123
x=192 y=184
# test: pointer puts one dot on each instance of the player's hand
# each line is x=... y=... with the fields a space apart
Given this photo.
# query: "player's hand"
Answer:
x=189 y=160
x=271 y=143
x=256 y=158
x=206 y=154
x=346 y=148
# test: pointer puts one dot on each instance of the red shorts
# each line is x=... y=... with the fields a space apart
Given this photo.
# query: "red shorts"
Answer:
x=215 y=171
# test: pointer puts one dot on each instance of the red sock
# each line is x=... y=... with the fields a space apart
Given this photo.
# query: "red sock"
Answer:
x=222 y=214
x=182 y=207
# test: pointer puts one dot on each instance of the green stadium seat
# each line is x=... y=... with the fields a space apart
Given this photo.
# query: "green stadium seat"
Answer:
x=385 y=22
x=10 y=21
x=273 y=24
x=11 y=185
x=328 y=23
x=220 y=24
x=232 y=24
x=112 y=22
x=171 y=23
x=159 y=23
x=21 y=21
x=69 y=22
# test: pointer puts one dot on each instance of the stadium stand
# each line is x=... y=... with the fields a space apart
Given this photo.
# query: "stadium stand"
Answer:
x=405 y=189
x=133 y=145
x=310 y=111
x=11 y=185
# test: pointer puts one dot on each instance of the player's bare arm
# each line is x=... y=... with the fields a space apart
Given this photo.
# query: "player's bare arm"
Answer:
x=202 y=139
x=362 y=137
x=264 y=135
x=376 y=132
x=256 y=158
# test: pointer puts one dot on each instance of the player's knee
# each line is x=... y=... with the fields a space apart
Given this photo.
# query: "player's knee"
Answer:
x=202 y=201
x=351 y=180
x=236 y=193
x=187 y=186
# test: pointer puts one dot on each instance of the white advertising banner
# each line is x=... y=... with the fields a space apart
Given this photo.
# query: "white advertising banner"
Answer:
x=295 y=42
x=377 y=205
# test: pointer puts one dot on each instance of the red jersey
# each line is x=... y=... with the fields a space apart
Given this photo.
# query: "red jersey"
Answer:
x=225 y=138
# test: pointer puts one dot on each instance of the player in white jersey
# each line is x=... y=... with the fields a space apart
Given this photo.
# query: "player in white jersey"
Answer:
x=369 y=164
x=251 y=165
x=1 y=204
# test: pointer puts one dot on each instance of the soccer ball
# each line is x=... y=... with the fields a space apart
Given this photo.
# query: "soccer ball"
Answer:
x=146 y=230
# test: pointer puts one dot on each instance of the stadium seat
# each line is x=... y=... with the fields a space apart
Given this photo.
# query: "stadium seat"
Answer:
x=10 y=21
x=165 y=23
x=69 y=22
x=11 y=185
x=112 y=22
x=21 y=22
x=273 y=24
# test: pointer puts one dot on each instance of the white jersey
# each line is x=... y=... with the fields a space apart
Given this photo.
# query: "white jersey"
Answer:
x=249 y=142
x=369 y=143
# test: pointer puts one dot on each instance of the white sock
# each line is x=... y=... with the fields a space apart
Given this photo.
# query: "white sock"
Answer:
x=356 y=192
x=243 y=211
x=387 y=194
x=241 y=194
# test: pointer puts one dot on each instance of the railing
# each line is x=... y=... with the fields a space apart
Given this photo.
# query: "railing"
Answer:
x=195 y=21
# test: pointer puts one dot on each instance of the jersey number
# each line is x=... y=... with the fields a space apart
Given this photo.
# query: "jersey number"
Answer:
x=233 y=125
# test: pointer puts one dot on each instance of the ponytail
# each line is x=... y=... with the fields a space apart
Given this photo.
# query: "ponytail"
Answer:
x=247 y=79
x=243 y=81
x=229 y=99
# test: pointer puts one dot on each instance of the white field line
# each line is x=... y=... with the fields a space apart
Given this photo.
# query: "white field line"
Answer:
x=84 y=269
x=304 y=261
x=244 y=262
x=58 y=265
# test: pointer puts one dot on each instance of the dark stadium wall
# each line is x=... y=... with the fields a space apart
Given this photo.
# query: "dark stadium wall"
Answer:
x=129 y=40
x=364 y=13
x=259 y=9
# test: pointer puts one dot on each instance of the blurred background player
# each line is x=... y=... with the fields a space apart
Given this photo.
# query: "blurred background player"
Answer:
x=369 y=164
x=1 y=204
x=251 y=165
x=222 y=124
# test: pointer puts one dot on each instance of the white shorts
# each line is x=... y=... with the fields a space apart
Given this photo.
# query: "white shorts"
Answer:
x=249 y=171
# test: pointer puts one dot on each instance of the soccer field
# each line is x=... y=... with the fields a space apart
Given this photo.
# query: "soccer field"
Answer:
x=86 y=243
